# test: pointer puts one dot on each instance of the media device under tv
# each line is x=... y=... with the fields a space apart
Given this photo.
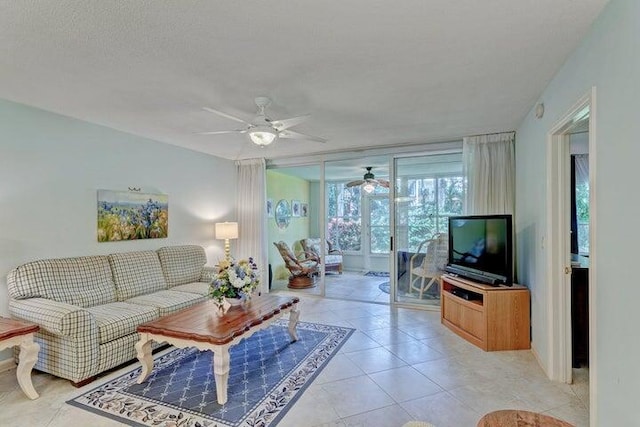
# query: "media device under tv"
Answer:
x=480 y=248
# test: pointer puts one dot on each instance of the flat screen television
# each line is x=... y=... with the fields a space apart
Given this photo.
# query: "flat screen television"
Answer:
x=480 y=248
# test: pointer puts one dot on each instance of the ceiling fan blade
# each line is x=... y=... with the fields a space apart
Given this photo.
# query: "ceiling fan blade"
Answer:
x=220 y=132
x=289 y=134
x=283 y=124
x=355 y=183
x=383 y=182
x=228 y=116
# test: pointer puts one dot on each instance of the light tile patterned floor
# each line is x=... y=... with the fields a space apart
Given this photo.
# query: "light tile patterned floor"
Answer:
x=400 y=365
x=355 y=286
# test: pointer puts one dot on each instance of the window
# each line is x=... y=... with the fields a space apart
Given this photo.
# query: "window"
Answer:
x=379 y=228
x=426 y=205
x=582 y=212
x=344 y=222
x=580 y=170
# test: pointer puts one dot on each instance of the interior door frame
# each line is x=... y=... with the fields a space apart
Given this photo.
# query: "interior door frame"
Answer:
x=558 y=241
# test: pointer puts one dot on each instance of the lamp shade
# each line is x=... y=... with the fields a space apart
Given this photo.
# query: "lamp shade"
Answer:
x=226 y=230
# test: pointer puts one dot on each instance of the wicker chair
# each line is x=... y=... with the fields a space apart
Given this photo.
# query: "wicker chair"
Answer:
x=303 y=271
x=428 y=264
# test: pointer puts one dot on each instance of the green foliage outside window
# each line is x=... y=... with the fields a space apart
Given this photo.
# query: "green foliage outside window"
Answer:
x=427 y=204
x=582 y=213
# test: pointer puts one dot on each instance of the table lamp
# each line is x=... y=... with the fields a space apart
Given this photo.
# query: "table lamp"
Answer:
x=226 y=231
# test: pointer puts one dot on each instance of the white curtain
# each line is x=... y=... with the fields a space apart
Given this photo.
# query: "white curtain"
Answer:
x=489 y=168
x=252 y=196
x=582 y=168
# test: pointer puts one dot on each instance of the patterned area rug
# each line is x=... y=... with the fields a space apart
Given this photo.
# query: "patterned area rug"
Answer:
x=386 y=288
x=377 y=273
x=268 y=374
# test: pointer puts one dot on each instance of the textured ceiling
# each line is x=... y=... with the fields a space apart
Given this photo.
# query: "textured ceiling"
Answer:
x=369 y=72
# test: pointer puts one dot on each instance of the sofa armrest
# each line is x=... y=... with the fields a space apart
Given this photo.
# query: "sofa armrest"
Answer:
x=208 y=273
x=55 y=317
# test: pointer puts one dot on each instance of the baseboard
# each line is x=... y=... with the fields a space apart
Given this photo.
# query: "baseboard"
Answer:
x=537 y=357
x=7 y=364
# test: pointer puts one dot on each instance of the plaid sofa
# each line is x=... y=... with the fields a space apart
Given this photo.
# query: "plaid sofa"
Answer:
x=88 y=307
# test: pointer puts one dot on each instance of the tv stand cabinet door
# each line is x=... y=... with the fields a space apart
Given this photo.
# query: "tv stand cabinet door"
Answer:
x=465 y=319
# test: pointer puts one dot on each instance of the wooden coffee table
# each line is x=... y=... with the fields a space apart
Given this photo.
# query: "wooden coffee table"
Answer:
x=518 y=418
x=199 y=326
x=18 y=333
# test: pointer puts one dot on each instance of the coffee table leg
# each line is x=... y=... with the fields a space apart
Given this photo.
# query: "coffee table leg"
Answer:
x=143 y=350
x=221 y=366
x=294 y=315
x=28 y=358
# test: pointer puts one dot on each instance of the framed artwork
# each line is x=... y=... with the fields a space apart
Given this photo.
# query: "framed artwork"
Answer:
x=295 y=208
x=270 y=208
x=282 y=214
x=304 y=209
x=132 y=215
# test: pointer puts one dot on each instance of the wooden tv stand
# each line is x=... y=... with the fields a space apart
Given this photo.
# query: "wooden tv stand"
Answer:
x=491 y=317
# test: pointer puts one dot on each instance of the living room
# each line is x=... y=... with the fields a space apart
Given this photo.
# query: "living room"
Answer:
x=71 y=125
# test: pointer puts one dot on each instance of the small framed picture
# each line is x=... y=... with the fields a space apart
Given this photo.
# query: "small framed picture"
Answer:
x=304 y=209
x=270 y=208
x=295 y=208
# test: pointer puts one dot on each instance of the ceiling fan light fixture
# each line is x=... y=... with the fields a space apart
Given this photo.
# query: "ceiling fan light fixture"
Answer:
x=263 y=135
x=368 y=187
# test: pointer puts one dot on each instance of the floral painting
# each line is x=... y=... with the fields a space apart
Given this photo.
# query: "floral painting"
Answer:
x=131 y=215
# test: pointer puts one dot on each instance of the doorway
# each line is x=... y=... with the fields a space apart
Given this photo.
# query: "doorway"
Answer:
x=559 y=241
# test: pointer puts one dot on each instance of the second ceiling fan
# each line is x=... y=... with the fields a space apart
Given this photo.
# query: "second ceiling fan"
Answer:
x=263 y=130
x=369 y=181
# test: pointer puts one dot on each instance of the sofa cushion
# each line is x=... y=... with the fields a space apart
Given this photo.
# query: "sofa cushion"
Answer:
x=333 y=259
x=168 y=302
x=136 y=273
x=201 y=288
x=312 y=244
x=182 y=264
x=80 y=281
x=118 y=319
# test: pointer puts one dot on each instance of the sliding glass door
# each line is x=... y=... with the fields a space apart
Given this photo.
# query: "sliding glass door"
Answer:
x=358 y=227
x=428 y=189
x=294 y=218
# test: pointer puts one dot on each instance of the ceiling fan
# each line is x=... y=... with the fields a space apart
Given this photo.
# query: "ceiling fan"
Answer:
x=369 y=181
x=261 y=129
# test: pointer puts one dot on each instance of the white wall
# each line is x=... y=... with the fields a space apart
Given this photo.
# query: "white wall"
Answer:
x=51 y=167
x=608 y=58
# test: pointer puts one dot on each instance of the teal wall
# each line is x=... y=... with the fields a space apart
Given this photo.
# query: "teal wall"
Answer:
x=51 y=167
x=609 y=59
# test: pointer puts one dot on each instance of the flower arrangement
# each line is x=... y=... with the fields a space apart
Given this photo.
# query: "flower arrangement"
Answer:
x=234 y=280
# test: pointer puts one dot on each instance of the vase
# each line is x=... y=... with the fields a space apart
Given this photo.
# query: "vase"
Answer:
x=235 y=302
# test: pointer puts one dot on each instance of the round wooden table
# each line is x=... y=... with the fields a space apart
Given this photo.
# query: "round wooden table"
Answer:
x=517 y=418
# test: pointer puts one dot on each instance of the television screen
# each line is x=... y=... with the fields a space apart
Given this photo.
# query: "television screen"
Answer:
x=480 y=248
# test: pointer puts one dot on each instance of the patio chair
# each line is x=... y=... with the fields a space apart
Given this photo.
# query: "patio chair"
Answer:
x=332 y=257
x=428 y=264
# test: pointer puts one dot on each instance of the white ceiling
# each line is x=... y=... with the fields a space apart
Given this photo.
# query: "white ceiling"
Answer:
x=369 y=72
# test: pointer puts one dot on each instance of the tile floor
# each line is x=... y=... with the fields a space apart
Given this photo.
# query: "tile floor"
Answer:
x=355 y=286
x=399 y=365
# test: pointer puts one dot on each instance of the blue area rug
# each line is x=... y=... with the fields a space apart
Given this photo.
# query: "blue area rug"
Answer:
x=384 y=287
x=268 y=374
